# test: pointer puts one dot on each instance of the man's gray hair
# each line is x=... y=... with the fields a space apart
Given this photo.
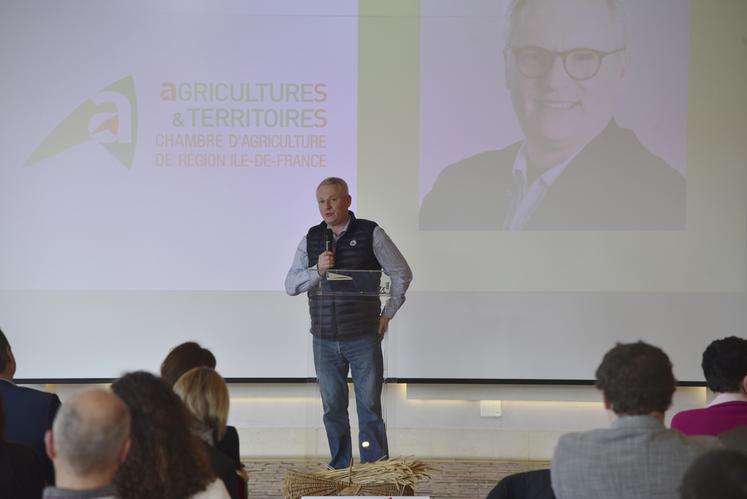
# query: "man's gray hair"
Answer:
x=616 y=7
x=335 y=181
x=87 y=438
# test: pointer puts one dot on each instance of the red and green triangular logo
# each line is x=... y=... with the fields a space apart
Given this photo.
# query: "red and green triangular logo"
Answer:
x=108 y=117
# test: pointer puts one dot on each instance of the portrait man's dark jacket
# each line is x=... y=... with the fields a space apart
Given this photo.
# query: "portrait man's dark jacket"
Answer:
x=613 y=183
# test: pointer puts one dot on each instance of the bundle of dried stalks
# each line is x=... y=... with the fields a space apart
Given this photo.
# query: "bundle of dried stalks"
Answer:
x=396 y=476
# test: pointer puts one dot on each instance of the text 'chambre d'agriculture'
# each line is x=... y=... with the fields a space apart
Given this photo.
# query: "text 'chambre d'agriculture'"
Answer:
x=288 y=122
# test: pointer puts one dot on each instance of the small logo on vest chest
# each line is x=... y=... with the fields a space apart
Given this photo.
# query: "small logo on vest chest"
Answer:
x=353 y=242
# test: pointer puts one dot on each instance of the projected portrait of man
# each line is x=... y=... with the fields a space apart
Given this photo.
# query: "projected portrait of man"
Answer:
x=566 y=63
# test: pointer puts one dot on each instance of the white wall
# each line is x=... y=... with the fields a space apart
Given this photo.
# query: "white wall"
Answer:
x=426 y=421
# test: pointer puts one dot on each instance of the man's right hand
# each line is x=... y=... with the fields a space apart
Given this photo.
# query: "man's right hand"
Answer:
x=326 y=262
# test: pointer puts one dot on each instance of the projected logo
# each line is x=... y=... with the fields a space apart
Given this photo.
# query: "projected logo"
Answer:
x=108 y=118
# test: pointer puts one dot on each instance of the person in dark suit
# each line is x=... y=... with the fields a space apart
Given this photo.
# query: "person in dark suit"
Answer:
x=527 y=485
x=28 y=413
x=575 y=169
x=21 y=469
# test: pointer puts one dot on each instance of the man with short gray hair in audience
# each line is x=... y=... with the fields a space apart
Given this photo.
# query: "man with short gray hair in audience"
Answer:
x=88 y=441
x=637 y=457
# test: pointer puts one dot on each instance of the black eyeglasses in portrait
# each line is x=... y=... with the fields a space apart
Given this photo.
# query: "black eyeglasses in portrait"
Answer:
x=579 y=63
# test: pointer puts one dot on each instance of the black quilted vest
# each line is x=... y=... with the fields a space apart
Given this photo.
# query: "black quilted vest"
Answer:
x=335 y=314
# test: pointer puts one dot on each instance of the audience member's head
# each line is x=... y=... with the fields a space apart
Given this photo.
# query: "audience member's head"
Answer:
x=719 y=474
x=725 y=365
x=184 y=357
x=206 y=396
x=636 y=379
x=166 y=459
x=7 y=361
x=89 y=439
x=735 y=439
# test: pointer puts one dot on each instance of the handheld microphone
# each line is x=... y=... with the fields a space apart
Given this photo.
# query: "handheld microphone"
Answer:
x=328 y=240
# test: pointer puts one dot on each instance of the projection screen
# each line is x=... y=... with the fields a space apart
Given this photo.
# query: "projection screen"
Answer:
x=559 y=175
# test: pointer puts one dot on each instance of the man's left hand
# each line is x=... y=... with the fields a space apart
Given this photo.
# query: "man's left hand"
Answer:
x=383 y=325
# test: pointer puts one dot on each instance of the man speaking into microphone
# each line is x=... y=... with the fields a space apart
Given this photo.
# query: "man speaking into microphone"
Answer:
x=347 y=334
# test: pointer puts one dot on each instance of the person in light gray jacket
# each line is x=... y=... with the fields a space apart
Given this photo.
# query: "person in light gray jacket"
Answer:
x=637 y=457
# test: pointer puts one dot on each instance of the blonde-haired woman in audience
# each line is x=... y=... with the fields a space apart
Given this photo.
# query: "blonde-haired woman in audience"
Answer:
x=205 y=394
x=187 y=356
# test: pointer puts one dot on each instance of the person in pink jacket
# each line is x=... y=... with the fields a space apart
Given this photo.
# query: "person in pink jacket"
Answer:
x=725 y=369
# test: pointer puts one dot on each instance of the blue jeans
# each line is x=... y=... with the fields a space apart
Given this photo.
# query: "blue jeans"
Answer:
x=332 y=359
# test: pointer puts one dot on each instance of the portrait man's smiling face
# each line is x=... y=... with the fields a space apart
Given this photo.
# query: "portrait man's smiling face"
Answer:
x=562 y=95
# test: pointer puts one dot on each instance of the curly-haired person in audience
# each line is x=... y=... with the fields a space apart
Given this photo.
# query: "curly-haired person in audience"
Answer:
x=206 y=396
x=636 y=457
x=725 y=369
x=166 y=460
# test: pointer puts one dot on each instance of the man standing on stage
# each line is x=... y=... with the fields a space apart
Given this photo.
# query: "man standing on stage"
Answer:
x=347 y=333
